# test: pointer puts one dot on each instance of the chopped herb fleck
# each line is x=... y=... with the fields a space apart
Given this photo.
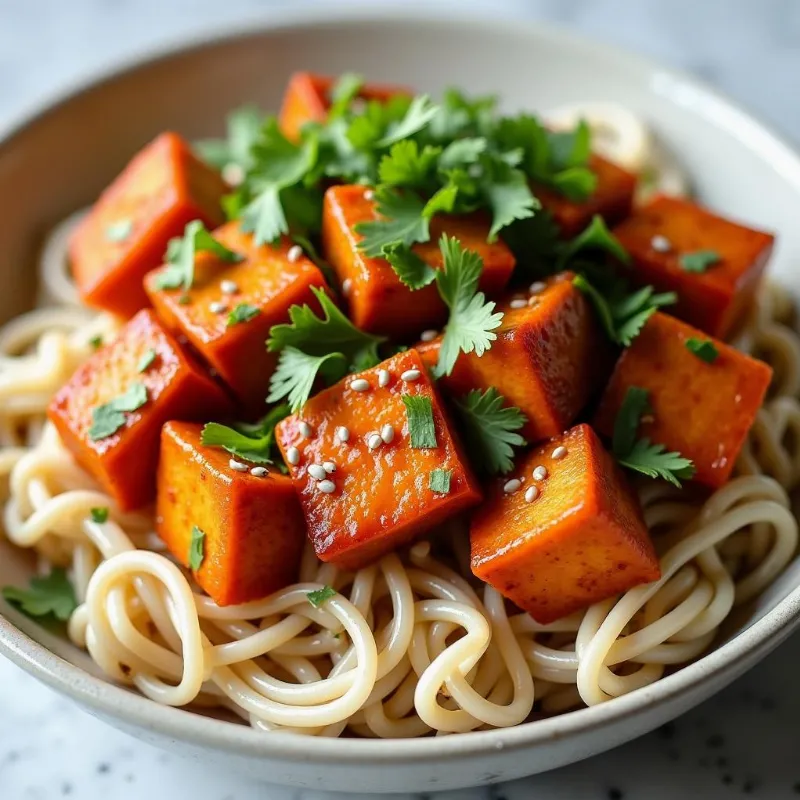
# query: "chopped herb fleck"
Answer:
x=699 y=261
x=244 y=312
x=197 y=547
x=146 y=360
x=108 y=418
x=99 y=515
x=96 y=342
x=119 y=231
x=184 y=299
x=439 y=481
x=319 y=596
x=704 y=349
x=421 y=428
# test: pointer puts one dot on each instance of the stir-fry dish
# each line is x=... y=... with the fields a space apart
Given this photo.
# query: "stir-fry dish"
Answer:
x=388 y=417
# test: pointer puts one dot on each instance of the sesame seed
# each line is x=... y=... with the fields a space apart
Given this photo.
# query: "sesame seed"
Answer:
x=369 y=194
x=258 y=472
x=559 y=452
x=512 y=486
x=326 y=486
x=537 y=286
x=342 y=433
x=359 y=385
x=305 y=429
x=428 y=336
x=518 y=302
x=383 y=378
x=294 y=253
x=661 y=244
x=237 y=465
x=411 y=375
x=329 y=466
x=347 y=286
x=228 y=287
x=217 y=307
x=540 y=473
x=293 y=456
x=387 y=433
x=531 y=494
x=374 y=441
x=533 y=301
x=317 y=472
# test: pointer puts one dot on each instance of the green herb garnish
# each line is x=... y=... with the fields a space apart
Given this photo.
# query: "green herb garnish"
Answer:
x=148 y=357
x=421 y=428
x=704 y=349
x=119 y=231
x=96 y=342
x=99 y=515
x=108 y=418
x=244 y=127
x=699 y=261
x=439 y=480
x=243 y=312
x=197 y=548
x=51 y=595
x=255 y=443
x=318 y=597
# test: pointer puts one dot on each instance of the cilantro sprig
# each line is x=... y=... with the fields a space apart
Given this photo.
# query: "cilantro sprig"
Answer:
x=641 y=455
x=109 y=417
x=52 y=595
x=490 y=429
x=704 y=349
x=249 y=442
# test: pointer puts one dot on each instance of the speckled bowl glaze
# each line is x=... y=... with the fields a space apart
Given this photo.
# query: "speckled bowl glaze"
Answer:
x=60 y=156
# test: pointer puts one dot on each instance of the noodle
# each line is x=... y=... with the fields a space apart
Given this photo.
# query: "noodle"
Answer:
x=411 y=645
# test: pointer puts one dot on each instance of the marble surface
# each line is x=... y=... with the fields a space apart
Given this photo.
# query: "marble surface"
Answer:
x=742 y=742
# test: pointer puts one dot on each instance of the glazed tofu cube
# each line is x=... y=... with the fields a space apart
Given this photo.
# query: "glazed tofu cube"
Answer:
x=661 y=235
x=127 y=231
x=701 y=410
x=378 y=301
x=262 y=286
x=549 y=359
x=250 y=525
x=387 y=446
x=612 y=199
x=308 y=99
x=110 y=412
x=558 y=543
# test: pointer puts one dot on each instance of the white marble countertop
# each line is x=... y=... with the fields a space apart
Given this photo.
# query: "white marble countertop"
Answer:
x=742 y=742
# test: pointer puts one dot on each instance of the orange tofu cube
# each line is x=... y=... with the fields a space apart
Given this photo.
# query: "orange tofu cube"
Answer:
x=582 y=539
x=378 y=301
x=126 y=233
x=612 y=199
x=549 y=360
x=143 y=355
x=379 y=496
x=253 y=525
x=307 y=99
x=702 y=410
x=266 y=279
x=659 y=234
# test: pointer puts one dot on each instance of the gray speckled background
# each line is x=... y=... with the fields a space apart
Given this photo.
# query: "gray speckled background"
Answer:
x=744 y=742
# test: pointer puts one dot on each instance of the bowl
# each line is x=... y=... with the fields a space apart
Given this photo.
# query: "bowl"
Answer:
x=59 y=158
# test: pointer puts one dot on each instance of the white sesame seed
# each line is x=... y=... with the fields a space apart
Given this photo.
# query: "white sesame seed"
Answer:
x=326 y=486
x=228 y=287
x=518 y=302
x=428 y=336
x=369 y=194
x=359 y=385
x=512 y=486
x=559 y=452
x=411 y=375
x=347 y=286
x=661 y=244
x=383 y=378
x=258 y=472
x=317 y=472
x=533 y=301
x=233 y=174
x=540 y=473
x=537 y=286
x=305 y=429
x=237 y=465
x=217 y=307
x=387 y=433
x=293 y=456
x=294 y=253
x=374 y=441
x=342 y=433
x=531 y=494
x=329 y=466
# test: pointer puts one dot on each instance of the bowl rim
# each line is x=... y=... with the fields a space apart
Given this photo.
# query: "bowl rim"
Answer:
x=108 y=699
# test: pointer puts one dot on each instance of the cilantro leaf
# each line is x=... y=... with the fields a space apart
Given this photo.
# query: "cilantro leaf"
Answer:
x=403 y=222
x=704 y=349
x=635 y=404
x=243 y=128
x=181 y=253
x=509 y=198
x=462 y=152
x=442 y=201
x=51 y=595
x=197 y=548
x=96 y=342
x=148 y=357
x=472 y=319
x=439 y=480
x=243 y=312
x=318 y=597
x=594 y=237
x=406 y=165
x=108 y=418
x=575 y=183
x=570 y=148
x=421 y=428
x=250 y=442
x=343 y=92
x=119 y=231
x=420 y=112
x=699 y=261
x=490 y=429
x=296 y=372
x=99 y=515
x=409 y=267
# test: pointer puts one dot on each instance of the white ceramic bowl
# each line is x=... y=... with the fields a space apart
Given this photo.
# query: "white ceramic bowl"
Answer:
x=57 y=161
